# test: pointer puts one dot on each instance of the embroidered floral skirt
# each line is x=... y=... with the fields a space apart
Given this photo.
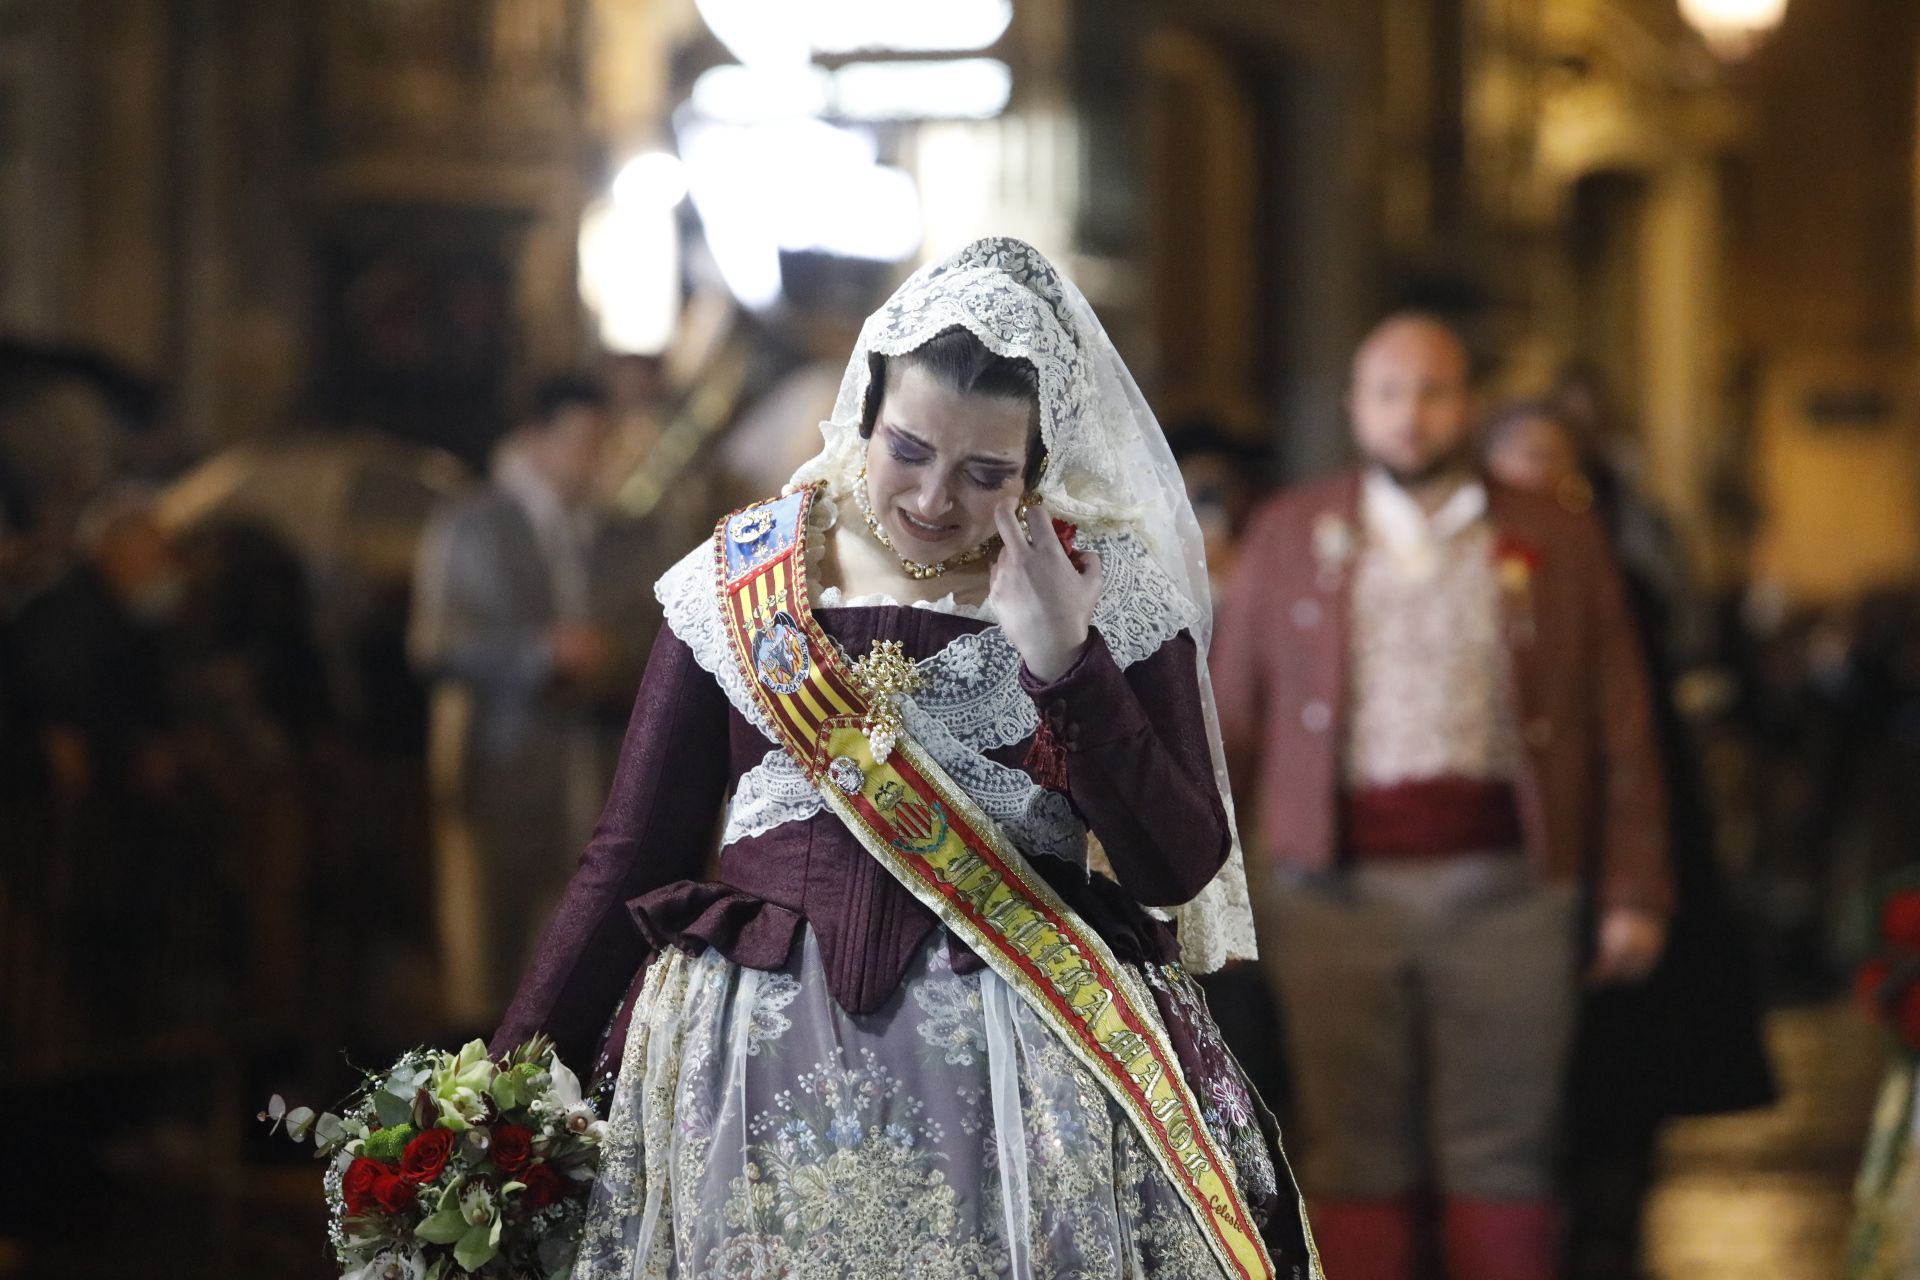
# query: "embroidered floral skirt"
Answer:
x=760 y=1131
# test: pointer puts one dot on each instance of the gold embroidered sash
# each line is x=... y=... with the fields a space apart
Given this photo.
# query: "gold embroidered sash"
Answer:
x=838 y=721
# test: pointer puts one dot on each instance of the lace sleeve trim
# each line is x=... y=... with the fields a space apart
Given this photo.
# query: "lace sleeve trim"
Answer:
x=692 y=607
x=973 y=683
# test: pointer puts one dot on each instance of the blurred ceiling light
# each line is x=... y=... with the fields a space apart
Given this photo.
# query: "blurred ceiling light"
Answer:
x=761 y=33
x=630 y=271
x=1734 y=28
x=745 y=95
x=858 y=26
x=795 y=185
x=788 y=32
x=656 y=179
x=957 y=89
x=963 y=89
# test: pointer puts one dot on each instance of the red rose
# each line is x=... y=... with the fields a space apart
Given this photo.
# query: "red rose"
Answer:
x=358 y=1183
x=544 y=1186
x=393 y=1193
x=512 y=1147
x=1900 y=921
x=426 y=1155
x=1066 y=532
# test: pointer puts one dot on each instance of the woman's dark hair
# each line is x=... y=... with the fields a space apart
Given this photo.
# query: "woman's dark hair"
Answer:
x=959 y=361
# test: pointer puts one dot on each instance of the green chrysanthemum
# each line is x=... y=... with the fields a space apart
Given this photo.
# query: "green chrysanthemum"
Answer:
x=388 y=1144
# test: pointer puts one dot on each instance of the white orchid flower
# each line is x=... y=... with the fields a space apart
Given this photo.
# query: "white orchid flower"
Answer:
x=392 y=1264
x=577 y=1113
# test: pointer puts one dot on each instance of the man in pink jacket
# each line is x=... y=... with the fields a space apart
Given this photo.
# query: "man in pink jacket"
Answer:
x=1435 y=708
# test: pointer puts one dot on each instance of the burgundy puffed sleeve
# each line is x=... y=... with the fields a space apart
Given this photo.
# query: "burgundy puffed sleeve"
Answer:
x=1138 y=766
x=654 y=830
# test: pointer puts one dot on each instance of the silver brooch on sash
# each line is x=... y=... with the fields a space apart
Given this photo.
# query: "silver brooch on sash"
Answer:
x=749 y=527
x=847 y=774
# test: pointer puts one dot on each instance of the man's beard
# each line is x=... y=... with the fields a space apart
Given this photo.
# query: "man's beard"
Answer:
x=1435 y=468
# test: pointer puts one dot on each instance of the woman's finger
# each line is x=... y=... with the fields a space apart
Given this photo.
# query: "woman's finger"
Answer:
x=1012 y=539
x=1046 y=544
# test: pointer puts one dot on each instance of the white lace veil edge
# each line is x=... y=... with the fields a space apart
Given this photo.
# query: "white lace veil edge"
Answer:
x=1109 y=469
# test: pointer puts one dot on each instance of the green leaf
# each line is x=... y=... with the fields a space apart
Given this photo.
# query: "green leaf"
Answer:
x=329 y=1131
x=299 y=1120
x=444 y=1227
x=478 y=1247
x=393 y=1111
x=506 y=1092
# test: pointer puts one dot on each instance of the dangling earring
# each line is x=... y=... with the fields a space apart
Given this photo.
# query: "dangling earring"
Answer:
x=1031 y=498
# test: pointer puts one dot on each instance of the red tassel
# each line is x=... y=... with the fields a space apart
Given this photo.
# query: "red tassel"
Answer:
x=1047 y=759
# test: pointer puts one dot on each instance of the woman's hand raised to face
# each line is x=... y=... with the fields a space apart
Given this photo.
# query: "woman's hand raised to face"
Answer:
x=1044 y=604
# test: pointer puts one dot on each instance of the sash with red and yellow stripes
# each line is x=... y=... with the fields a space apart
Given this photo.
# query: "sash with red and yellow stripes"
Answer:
x=834 y=718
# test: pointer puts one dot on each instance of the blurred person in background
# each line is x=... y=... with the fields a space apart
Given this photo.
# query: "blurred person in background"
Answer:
x=1226 y=479
x=1689 y=1040
x=96 y=714
x=1645 y=542
x=1433 y=698
x=531 y=623
x=262 y=733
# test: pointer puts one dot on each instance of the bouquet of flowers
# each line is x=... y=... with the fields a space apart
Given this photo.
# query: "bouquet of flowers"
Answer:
x=452 y=1164
x=1890 y=982
x=1886 y=1231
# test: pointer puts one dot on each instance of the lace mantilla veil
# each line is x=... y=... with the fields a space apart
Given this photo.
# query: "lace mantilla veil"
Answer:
x=1109 y=471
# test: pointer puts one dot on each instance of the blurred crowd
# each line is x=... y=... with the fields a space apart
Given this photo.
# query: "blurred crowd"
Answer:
x=299 y=738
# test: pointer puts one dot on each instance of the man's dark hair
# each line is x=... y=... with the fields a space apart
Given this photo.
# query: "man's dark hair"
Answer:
x=959 y=361
x=553 y=396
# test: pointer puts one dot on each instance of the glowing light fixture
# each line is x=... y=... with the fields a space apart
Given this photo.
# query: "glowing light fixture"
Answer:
x=963 y=89
x=655 y=180
x=952 y=26
x=761 y=33
x=630 y=255
x=1733 y=29
x=795 y=185
x=952 y=89
x=787 y=32
x=738 y=94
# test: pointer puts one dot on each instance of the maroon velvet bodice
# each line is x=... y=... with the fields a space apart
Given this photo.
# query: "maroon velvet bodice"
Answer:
x=1138 y=773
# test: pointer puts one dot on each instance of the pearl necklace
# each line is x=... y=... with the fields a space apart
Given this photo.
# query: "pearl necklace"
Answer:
x=915 y=569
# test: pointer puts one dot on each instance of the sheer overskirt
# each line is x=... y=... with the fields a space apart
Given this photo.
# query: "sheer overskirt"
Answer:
x=760 y=1131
